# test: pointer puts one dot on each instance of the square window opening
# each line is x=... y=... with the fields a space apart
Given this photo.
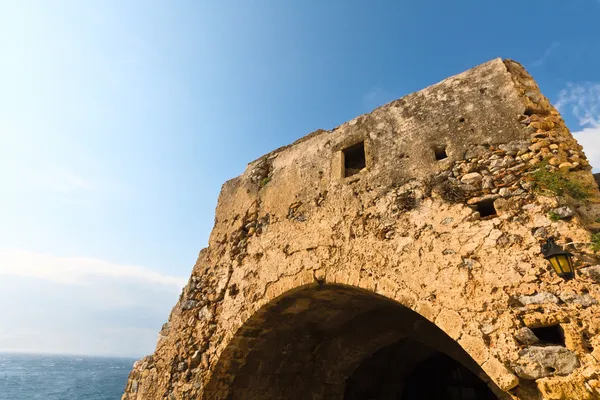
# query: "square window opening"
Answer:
x=486 y=208
x=440 y=152
x=553 y=334
x=354 y=159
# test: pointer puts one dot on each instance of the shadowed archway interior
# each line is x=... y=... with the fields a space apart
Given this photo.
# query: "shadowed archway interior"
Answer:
x=340 y=342
x=409 y=370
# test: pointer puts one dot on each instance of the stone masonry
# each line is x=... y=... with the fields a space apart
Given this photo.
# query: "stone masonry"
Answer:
x=415 y=228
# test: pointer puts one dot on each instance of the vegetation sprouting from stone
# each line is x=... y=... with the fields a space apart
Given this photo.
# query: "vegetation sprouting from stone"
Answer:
x=447 y=190
x=553 y=216
x=450 y=192
x=595 y=242
x=264 y=181
x=558 y=182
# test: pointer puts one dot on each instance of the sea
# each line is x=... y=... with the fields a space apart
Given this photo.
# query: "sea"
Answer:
x=51 y=377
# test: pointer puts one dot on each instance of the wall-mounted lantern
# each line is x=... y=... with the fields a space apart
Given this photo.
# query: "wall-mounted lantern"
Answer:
x=561 y=260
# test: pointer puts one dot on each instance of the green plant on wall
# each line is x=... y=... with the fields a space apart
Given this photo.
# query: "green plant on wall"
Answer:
x=595 y=242
x=264 y=181
x=558 y=182
x=553 y=216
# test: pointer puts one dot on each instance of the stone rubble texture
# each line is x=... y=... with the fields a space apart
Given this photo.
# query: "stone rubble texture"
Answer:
x=526 y=336
x=539 y=362
x=307 y=271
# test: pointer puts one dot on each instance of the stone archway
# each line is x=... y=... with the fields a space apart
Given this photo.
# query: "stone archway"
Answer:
x=430 y=201
x=342 y=342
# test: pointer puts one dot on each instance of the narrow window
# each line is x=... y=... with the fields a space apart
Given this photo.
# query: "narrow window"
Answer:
x=486 y=208
x=440 y=152
x=553 y=334
x=354 y=159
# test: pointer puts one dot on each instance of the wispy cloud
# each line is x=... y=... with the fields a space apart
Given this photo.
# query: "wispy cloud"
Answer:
x=589 y=138
x=582 y=101
x=81 y=305
x=78 y=271
x=542 y=60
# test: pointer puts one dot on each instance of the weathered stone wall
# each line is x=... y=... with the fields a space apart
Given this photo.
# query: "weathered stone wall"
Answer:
x=301 y=253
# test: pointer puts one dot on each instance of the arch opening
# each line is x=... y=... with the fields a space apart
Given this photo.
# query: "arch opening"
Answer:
x=341 y=342
x=409 y=370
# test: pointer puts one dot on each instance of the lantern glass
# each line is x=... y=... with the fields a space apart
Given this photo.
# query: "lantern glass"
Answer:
x=562 y=264
x=559 y=259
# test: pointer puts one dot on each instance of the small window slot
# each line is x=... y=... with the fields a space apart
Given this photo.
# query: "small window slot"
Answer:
x=553 y=334
x=440 y=152
x=486 y=208
x=354 y=159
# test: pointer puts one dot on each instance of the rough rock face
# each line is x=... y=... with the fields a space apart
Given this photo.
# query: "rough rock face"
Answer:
x=412 y=235
x=539 y=362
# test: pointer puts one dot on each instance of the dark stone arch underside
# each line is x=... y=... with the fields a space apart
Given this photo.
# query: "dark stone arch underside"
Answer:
x=340 y=342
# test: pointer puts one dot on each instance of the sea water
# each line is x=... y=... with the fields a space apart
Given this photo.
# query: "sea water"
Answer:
x=51 y=377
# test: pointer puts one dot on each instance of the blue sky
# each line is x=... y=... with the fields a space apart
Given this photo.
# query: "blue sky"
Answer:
x=119 y=121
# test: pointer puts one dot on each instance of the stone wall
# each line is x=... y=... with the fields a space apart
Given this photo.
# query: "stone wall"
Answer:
x=314 y=263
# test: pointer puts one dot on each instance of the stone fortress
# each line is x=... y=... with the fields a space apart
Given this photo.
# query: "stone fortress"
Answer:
x=397 y=256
